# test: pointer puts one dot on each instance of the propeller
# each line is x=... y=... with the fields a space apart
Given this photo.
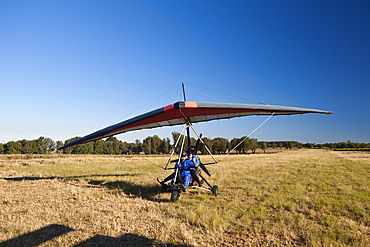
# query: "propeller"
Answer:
x=200 y=162
x=197 y=145
x=204 y=168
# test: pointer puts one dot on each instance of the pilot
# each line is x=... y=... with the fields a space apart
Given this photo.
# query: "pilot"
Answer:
x=184 y=169
x=194 y=171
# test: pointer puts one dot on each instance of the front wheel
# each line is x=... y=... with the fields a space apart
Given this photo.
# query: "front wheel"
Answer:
x=215 y=190
x=175 y=195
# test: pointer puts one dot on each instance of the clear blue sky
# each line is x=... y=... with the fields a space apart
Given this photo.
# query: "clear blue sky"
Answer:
x=69 y=68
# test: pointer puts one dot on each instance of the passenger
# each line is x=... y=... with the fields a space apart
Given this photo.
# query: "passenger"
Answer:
x=194 y=170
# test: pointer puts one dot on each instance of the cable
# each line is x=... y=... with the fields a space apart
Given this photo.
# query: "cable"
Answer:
x=143 y=105
x=248 y=136
x=202 y=93
x=228 y=94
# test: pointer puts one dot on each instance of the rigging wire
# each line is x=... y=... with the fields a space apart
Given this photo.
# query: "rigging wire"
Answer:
x=173 y=150
x=228 y=94
x=201 y=93
x=153 y=163
x=247 y=136
x=143 y=105
x=182 y=147
x=170 y=99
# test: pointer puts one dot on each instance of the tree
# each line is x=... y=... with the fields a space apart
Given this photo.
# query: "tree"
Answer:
x=40 y=145
x=48 y=145
x=164 y=147
x=99 y=147
x=156 y=142
x=123 y=148
x=131 y=148
x=137 y=142
x=168 y=140
x=220 y=145
x=108 y=147
x=290 y=145
x=112 y=145
x=274 y=145
x=175 y=136
x=234 y=142
x=245 y=146
x=86 y=148
x=26 y=147
x=253 y=145
x=116 y=147
x=263 y=147
x=35 y=149
x=111 y=139
x=308 y=145
x=147 y=145
x=299 y=145
x=13 y=147
x=58 y=145
x=208 y=143
x=67 y=150
x=138 y=147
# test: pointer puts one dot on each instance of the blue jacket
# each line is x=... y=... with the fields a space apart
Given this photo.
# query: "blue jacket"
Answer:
x=184 y=167
x=196 y=161
x=184 y=170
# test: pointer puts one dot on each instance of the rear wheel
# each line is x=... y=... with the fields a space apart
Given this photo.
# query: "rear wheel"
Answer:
x=175 y=195
x=215 y=190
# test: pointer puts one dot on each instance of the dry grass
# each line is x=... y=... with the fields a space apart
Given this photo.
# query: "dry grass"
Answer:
x=305 y=197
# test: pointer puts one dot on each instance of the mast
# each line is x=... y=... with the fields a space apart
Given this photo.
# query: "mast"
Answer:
x=187 y=125
x=183 y=91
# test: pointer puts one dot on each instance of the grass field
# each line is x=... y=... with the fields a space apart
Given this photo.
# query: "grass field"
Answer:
x=294 y=198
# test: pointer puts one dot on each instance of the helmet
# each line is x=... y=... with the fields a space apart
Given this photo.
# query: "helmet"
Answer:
x=190 y=149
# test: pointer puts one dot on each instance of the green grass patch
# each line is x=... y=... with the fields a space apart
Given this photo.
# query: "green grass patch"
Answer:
x=351 y=149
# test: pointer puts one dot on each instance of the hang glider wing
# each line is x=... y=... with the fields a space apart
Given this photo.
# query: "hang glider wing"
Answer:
x=175 y=114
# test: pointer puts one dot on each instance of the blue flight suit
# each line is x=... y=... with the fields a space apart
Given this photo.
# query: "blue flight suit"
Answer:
x=196 y=161
x=184 y=170
x=194 y=171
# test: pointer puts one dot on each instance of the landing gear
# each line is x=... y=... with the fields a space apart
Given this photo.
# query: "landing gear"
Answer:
x=215 y=190
x=175 y=195
x=178 y=186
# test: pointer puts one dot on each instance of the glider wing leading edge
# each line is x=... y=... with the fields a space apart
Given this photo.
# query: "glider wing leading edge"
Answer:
x=196 y=112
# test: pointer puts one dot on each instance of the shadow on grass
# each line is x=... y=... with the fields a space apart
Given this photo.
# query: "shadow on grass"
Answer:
x=146 y=192
x=37 y=237
x=127 y=239
x=31 y=178
x=47 y=233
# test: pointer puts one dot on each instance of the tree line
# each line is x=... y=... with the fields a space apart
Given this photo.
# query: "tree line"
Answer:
x=156 y=145
x=332 y=146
